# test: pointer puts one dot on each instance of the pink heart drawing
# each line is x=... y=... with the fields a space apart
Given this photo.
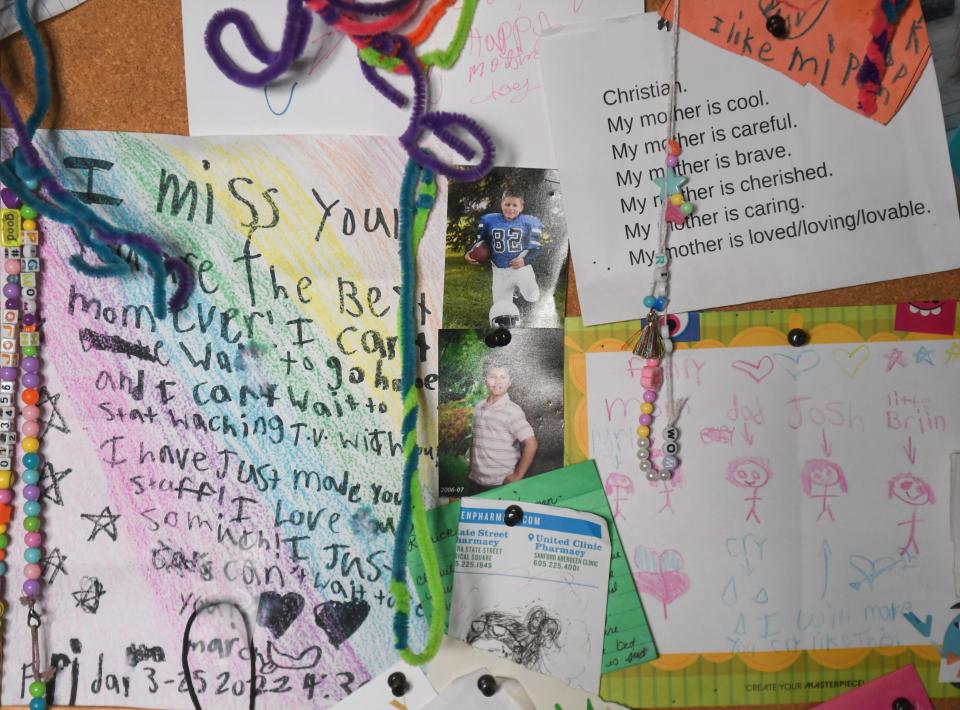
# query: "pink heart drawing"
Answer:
x=660 y=575
x=758 y=370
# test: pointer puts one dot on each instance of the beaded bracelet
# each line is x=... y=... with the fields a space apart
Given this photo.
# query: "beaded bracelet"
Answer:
x=19 y=325
x=654 y=344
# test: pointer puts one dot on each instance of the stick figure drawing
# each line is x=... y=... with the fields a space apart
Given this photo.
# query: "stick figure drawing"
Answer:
x=818 y=477
x=618 y=487
x=915 y=492
x=751 y=473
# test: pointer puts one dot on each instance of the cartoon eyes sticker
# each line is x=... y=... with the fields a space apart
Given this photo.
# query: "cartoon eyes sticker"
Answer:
x=684 y=327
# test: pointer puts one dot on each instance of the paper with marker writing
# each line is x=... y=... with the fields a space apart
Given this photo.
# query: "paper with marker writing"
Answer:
x=627 y=639
x=377 y=694
x=40 y=10
x=495 y=81
x=811 y=508
x=825 y=44
x=246 y=448
x=785 y=181
x=534 y=592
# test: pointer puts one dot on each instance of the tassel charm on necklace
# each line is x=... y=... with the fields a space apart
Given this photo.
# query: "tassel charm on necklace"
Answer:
x=650 y=343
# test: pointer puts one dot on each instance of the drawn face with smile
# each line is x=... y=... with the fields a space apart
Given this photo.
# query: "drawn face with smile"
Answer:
x=822 y=473
x=911 y=490
x=749 y=472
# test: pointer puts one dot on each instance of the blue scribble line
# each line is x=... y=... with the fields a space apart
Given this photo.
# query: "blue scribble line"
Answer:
x=875 y=568
x=285 y=108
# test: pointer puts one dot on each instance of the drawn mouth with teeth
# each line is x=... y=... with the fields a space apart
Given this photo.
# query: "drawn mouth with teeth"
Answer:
x=927 y=308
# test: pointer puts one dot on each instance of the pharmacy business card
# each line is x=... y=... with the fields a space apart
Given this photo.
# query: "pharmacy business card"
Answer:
x=530 y=585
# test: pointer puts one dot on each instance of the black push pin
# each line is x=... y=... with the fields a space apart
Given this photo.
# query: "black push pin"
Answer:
x=798 y=337
x=498 y=338
x=777 y=26
x=902 y=704
x=487 y=683
x=397 y=682
x=512 y=515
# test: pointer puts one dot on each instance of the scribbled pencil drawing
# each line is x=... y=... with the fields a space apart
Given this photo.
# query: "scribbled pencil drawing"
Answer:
x=660 y=575
x=915 y=492
x=819 y=477
x=667 y=486
x=88 y=596
x=619 y=487
x=522 y=639
x=751 y=473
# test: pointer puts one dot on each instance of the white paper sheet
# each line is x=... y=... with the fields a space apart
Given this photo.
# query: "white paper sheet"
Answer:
x=725 y=566
x=464 y=694
x=836 y=229
x=457 y=658
x=40 y=9
x=496 y=80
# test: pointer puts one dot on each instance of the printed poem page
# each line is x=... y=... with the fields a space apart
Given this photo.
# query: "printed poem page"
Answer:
x=793 y=192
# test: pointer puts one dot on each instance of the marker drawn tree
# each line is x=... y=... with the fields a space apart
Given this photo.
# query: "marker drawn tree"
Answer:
x=660 y=575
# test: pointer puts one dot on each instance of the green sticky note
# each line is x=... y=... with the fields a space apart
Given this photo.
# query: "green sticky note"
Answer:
x=627 y=639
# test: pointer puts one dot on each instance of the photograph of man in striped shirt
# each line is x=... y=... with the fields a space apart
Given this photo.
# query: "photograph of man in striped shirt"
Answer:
x=503 y=440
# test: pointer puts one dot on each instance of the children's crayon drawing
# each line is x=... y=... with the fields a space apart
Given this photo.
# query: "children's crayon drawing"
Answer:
x=240 y=460
x=751 y=474
x=819 y=477
x=810 y=513
x=915 y=492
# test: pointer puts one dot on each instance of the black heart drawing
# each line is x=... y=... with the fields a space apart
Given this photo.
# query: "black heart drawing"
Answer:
x=277 y=612
x=340 y=619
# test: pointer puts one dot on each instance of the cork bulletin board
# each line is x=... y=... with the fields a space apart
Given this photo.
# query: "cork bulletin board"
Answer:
x=117 y=65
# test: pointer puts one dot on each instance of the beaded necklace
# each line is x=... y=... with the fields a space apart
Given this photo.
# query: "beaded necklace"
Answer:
x=654 y=344
x=19 y=349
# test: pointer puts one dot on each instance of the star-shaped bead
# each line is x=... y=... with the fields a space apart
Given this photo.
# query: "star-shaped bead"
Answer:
x=670 y=183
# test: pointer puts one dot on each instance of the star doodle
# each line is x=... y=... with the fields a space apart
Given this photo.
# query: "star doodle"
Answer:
x=56 y=419
x=52 y=564
x=50 y=483
x=88 y=596
x=669 y=183
x=894 y=358
x=105 y=521
x=923 y=355
x=953 y=352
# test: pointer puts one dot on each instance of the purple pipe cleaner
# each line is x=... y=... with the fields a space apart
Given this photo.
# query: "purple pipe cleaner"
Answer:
x=296 y=30
x=370 y=8
x=440 y=122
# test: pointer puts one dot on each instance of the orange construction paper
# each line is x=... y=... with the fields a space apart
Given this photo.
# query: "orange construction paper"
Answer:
x=825 y=45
